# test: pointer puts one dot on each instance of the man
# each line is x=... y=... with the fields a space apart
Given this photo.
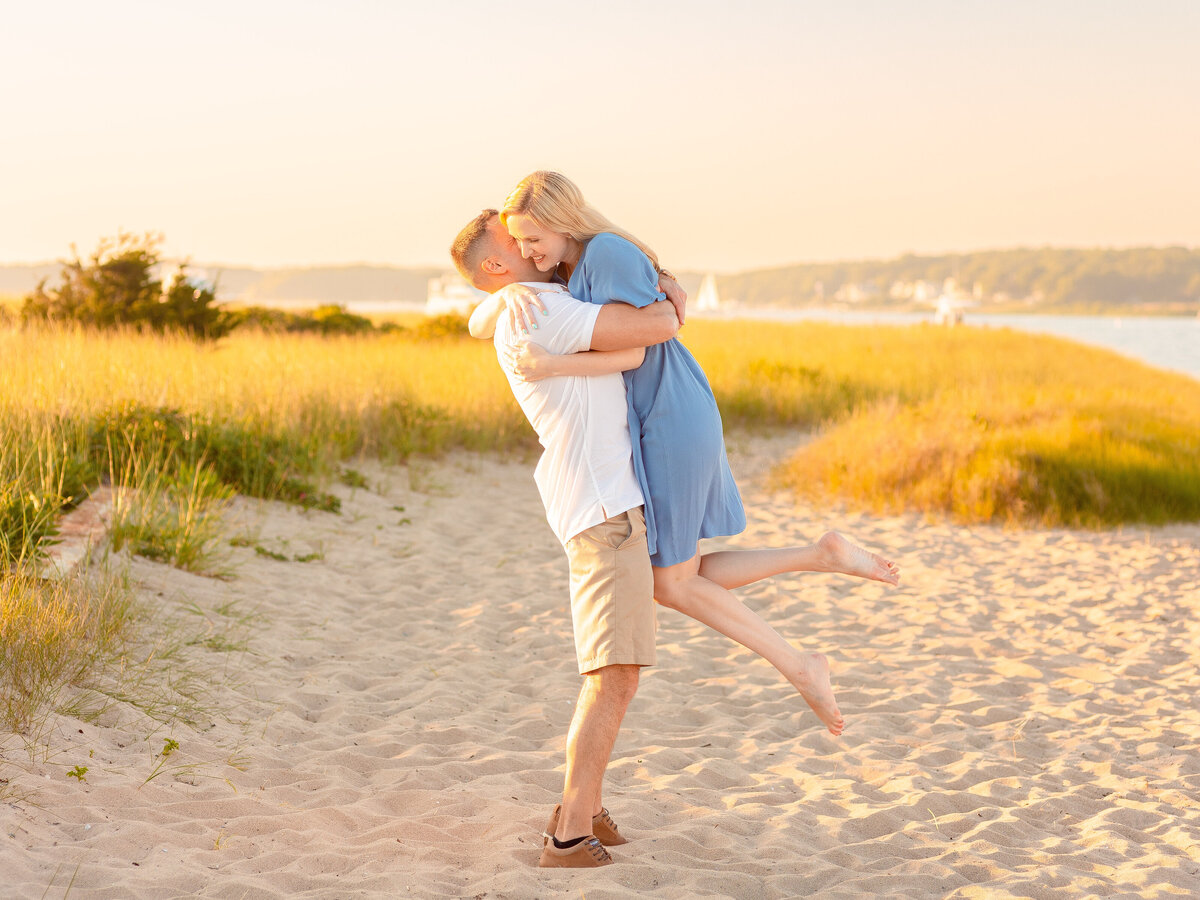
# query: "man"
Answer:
x=594 y=505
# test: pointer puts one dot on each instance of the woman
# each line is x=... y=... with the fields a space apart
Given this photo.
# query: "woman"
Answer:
x=679 y=449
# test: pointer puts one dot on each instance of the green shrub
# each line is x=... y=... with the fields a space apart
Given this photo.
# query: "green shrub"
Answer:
x=328 y=320
x=117 y=288
x=450 y=325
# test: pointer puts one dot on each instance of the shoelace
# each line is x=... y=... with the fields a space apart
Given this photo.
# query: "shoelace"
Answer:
x=596 y=849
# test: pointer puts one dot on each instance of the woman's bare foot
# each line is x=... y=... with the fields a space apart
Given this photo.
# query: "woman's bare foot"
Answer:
x=812 y=681
x=839 y=555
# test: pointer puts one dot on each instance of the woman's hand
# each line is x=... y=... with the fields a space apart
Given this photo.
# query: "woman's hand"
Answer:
x=675 y=293
x=529 y=361
x=522 y=304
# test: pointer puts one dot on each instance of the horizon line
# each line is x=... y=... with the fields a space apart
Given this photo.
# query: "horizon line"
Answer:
x=770 y=266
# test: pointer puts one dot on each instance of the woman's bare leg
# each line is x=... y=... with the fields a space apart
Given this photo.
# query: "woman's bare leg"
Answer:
x=832 y=553
x=683 y=588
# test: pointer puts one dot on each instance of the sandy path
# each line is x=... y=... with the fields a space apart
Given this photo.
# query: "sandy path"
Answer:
x=1023 y=720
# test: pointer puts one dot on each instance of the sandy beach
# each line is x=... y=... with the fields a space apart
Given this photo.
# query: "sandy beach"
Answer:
x=1023 y=718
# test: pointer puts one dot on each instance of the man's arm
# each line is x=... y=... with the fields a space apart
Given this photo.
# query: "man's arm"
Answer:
x=621 y=326
x=484 y=317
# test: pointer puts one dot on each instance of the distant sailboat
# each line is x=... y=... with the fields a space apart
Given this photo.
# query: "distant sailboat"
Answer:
x=707 y=299
x=451 y=295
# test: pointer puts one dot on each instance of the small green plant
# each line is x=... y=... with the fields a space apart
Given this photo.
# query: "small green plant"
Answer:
x=219 y=643
x=277 y=555
x=170 y=745
x=79 y=773
x=353 y=478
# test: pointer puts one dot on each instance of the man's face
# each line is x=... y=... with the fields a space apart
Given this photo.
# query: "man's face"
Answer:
x=505 y=248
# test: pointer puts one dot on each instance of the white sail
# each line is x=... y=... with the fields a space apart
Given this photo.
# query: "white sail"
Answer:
x=707 y=299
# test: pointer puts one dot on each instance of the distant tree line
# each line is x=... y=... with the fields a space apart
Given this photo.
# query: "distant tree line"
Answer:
x=1046 y=276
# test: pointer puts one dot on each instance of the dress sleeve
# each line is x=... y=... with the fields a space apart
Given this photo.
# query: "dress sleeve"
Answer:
x=616 y=269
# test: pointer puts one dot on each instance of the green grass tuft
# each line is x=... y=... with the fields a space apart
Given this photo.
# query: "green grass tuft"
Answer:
x=52 y=633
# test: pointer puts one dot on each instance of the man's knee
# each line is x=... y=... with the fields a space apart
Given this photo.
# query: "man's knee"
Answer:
x=619 y=682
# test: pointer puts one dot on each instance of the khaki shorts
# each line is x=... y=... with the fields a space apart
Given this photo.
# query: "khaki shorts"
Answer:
x=612 y=593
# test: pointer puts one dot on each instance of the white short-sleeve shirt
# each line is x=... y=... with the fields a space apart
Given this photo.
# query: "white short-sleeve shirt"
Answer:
x=585 y=474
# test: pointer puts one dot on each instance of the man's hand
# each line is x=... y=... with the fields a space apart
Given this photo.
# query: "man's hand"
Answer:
x=676 y=294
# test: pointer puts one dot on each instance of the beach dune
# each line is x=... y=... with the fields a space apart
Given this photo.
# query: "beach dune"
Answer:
x=1022 y=718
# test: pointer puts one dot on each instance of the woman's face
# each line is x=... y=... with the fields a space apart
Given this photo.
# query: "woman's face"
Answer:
x=545 y=249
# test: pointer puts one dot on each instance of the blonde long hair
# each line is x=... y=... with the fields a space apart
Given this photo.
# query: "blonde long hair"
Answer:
x=554 y=202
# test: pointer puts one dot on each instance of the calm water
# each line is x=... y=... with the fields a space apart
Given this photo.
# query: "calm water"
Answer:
x=1168 y=342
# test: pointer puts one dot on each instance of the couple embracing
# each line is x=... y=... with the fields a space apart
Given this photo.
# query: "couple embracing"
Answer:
x=633 y=473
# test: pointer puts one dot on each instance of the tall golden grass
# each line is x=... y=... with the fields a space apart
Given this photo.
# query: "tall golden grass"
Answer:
x=979 y=425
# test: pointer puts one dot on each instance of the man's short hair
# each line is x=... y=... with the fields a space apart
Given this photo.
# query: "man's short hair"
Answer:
x=472 y=245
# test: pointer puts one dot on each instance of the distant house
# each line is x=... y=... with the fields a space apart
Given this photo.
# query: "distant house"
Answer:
x=450 y=294
x=926 y=291
x=920 y=291
x=861 y=292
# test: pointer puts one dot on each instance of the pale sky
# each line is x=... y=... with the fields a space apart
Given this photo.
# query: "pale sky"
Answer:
x=727 y=135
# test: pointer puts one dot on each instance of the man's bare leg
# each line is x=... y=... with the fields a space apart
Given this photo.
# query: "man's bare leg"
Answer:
x=603 y=699
x=832 y=553
x=683 y=588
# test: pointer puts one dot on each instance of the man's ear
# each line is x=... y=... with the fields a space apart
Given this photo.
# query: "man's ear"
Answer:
x=493 y=266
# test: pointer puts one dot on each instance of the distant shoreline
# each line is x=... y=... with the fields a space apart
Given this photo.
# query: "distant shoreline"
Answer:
x=368 y=307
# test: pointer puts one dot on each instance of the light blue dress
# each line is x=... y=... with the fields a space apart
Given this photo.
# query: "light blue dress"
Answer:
x=678 y=447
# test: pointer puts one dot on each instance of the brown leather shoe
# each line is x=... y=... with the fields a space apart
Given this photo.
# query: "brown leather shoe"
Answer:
x=551 y=826
x=603 y=827
x=587 y=854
